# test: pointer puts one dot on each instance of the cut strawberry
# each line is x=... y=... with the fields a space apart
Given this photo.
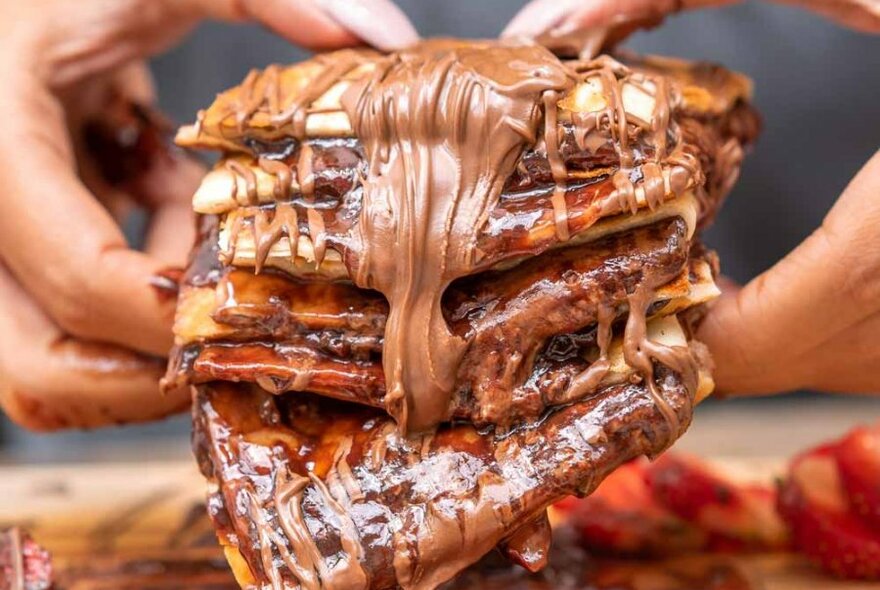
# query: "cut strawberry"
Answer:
x=814 y=504
x=858 y=459
x=735 y=517
x=621 y=518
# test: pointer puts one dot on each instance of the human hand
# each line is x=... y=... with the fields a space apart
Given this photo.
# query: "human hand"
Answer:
x=81 y=329
x=565 y=16
x=812 y=320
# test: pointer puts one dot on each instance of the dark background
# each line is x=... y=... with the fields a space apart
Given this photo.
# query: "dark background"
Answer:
x=816 y=84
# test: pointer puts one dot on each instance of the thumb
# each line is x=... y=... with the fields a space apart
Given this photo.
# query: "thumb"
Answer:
x=542 y=16
x=79 y=40
x=792 y=323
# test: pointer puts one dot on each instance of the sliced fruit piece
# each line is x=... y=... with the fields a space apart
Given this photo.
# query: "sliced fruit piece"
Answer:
x=814 y=504
x=621 y=518
x=735 y=517
x=858 y=461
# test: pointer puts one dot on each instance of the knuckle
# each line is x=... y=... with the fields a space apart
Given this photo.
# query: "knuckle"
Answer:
x=74 y=310
x=22 y=403
x=856 y=252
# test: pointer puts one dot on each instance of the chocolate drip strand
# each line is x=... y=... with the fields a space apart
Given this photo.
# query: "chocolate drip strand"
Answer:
x=429 y=191
x=236 y=168
x=640 y=353
x=557 y=166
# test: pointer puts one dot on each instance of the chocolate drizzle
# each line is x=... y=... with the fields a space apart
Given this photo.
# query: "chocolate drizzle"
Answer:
x=486 y=190
x=588 y=380
x=332 y=68
x=443 y=129
x=236 y=168
x=640 y=352
x=557 y=166
x=444 y=126
x=306 y=177
x=266 y=232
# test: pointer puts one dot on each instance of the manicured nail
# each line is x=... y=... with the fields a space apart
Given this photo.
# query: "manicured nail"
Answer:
x=380 y=23
x=536 y=18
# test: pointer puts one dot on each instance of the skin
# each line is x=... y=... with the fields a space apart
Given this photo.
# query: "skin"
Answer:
x=68 y=280
x=813 y=319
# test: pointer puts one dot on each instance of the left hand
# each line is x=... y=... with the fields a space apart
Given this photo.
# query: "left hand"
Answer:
x=81 y=331
x=538 y=17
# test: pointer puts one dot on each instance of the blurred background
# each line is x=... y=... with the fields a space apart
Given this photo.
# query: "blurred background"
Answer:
x=816 y=84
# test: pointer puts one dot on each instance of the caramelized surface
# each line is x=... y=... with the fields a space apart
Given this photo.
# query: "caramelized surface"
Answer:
x=520 y=233
x=311 y=489
x=326 y=338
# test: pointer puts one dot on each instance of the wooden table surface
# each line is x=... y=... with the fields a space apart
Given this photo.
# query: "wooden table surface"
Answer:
x=139 y=510
x=99 y=503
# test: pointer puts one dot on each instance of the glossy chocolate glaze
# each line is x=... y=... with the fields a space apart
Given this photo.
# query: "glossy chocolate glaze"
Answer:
x=320 y=491
x=524 y=221
x=326 y=338
x=445 y=129
x=457 y=204
x=572 y=568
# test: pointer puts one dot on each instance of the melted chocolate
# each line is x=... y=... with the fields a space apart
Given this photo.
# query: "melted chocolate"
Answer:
x=286 y=330
x=462 y=161
x=343 y=486
x=446 y=130
x=442 y=130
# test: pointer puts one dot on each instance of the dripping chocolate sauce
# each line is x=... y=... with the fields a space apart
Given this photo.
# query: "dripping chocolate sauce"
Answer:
x=443 y=127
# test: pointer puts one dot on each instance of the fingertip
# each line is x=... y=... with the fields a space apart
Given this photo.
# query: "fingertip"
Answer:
x=727 y=285
x=301 y=22
x=535 y=18
x=172 y=177
x=380 y=23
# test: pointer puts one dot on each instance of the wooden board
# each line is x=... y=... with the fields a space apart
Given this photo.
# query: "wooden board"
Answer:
x=137 y=515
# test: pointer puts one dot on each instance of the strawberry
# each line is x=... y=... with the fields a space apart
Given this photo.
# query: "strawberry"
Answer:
x=858 y=460
x=735 y=517
x=622 y=518
x=814 y=504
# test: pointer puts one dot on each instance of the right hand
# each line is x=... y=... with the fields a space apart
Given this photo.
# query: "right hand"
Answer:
x=565 y=16
x=813 y=319
x=81 y=331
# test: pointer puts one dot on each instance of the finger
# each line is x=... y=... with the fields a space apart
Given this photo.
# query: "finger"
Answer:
x=91 y=116
x=768 y=336
x=321 y=25
x=134 y=82
x=542 y=16
x=49 y=382
x=61 y=244
x=379 y=23
x=168 y=186
x=84 y=39
x=861 y=15
x=537 y=17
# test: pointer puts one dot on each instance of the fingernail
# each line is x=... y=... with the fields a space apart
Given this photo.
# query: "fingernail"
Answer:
x=537 y=18
x=379 y=23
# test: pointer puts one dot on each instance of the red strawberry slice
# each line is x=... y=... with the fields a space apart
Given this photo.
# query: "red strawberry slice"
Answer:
x=735 y=517
x=622 y=518
x=814 y=504
x=858 y=460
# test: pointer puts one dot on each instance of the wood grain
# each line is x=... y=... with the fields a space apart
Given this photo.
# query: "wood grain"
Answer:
x=142 y=525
